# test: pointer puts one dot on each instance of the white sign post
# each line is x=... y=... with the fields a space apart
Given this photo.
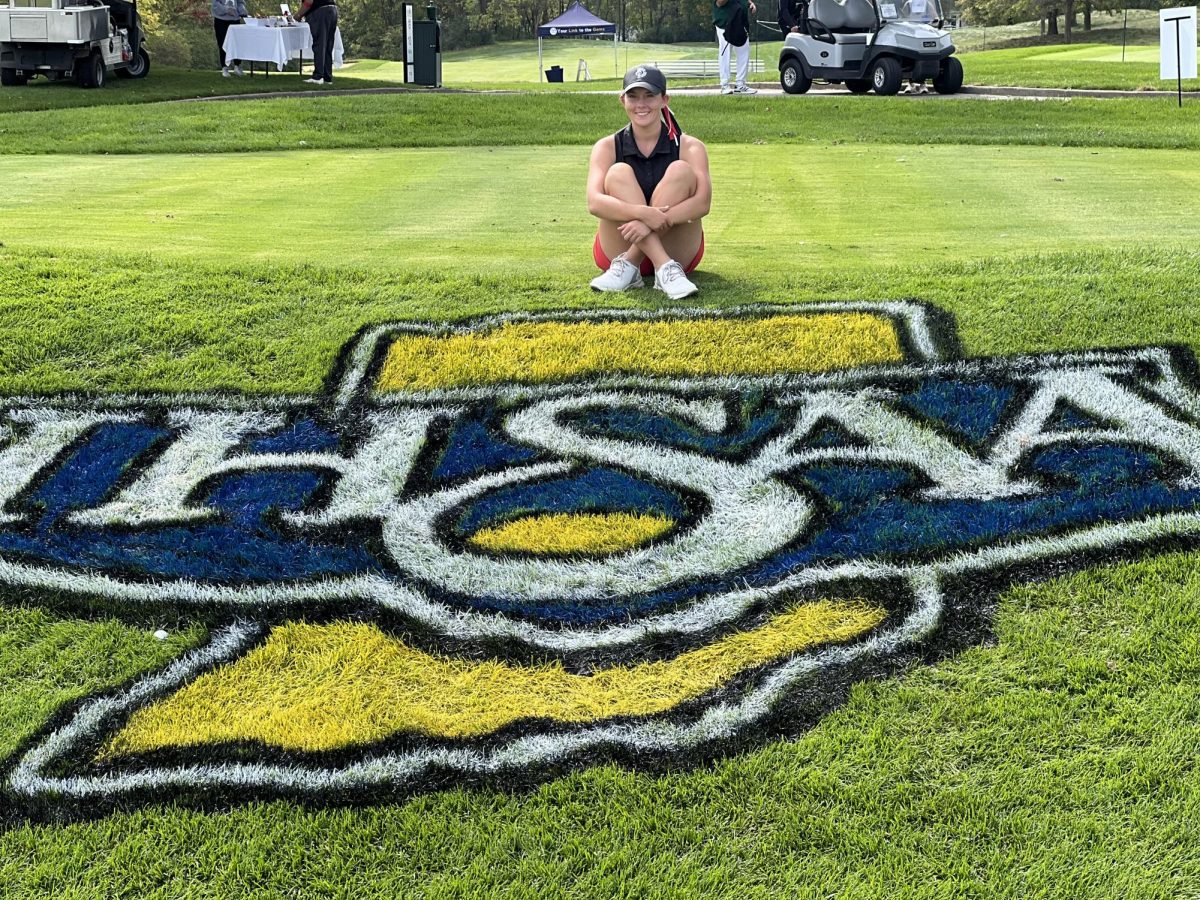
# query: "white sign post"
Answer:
x=1177 y=45
x=410 y=69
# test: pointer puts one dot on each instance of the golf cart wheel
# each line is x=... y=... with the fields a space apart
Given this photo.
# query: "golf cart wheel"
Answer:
x=138 y=67
x=886 y=75
x=949 y=77
x=793 y=79
x=90 y=72
x=858 y=85
x=13 y=77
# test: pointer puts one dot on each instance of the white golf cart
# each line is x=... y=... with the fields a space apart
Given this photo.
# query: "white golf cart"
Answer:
x=870 y=44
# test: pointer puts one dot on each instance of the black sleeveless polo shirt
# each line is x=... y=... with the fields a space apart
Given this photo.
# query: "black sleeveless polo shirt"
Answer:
x=648 y=169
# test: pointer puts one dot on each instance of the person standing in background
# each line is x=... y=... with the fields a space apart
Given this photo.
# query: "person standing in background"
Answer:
x=322 y=18
x=792 y=17
x=732 y=20
x=226 y=13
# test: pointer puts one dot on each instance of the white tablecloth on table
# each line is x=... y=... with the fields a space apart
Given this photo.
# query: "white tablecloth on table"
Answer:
x=277 y=45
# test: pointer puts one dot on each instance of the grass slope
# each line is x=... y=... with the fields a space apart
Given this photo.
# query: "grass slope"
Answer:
x=78 y=321
x=1061 y=756
x=449 y=120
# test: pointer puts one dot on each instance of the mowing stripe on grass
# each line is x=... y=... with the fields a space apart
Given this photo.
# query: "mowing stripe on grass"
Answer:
x=451 y=211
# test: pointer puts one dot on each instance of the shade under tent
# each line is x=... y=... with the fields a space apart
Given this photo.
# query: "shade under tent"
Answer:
x=577 y=21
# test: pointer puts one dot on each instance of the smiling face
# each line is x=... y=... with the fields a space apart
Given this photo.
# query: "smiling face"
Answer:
x=643 y=107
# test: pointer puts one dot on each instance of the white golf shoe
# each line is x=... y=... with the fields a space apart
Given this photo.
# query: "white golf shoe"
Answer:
x=745 y=89
x=671 y=281
x=622 y=275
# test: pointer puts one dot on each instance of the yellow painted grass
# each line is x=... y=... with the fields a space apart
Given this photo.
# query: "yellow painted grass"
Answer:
x=321 y=687
x=547 y=352
x=562 y=533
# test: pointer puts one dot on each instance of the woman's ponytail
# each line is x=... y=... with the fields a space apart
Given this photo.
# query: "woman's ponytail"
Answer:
x=673 y=129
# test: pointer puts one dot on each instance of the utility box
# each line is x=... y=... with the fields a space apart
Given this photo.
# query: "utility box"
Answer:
x=422 y=48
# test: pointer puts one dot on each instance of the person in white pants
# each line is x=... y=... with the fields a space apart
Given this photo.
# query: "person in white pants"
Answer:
x=723 y=10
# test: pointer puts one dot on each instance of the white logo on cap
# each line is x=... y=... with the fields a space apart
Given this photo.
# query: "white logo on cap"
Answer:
x=640 y=73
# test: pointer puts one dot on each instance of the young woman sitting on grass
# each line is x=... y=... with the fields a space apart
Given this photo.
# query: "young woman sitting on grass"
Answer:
x=649 y=186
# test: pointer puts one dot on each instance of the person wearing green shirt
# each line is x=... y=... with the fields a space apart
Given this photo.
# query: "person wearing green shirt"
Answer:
x=734 y=15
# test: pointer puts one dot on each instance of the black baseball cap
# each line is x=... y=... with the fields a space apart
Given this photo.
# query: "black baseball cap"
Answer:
x=648 y=77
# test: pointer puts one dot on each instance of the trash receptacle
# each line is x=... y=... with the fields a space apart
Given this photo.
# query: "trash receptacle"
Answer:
x=422 y=48
x=554 y=73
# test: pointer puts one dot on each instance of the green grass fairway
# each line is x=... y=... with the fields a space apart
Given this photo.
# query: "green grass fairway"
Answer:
x=517 y=60
x=425 y=208
x=1071 y=66
x=1131 y=26
x=1057 y=759
x=1078 y=65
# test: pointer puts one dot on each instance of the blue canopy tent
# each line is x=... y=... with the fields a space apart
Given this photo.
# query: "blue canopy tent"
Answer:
x=576 y=22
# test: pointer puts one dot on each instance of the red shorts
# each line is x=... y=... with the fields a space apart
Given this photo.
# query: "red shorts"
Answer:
x=647 y=267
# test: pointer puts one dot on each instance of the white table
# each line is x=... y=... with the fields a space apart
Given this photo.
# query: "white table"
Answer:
x=256 y=43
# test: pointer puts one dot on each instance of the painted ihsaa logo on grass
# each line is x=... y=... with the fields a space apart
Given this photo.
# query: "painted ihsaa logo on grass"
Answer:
x=498 y=549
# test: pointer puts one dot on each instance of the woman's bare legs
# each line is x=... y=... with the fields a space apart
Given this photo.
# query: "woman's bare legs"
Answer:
x=680 y=242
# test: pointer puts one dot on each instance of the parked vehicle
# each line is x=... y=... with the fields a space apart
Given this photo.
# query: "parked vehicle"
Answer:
x=82 y=39
x=870 y=45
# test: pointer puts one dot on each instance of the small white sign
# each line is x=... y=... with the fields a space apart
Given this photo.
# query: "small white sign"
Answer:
x=410 y=69
x=887 y=10
x=1177 y=43
x=917 y=7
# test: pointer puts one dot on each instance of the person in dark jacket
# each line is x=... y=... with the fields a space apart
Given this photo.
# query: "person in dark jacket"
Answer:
x=322 y=18
x=226 y=13
x=649 y=186
x=792 y=17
